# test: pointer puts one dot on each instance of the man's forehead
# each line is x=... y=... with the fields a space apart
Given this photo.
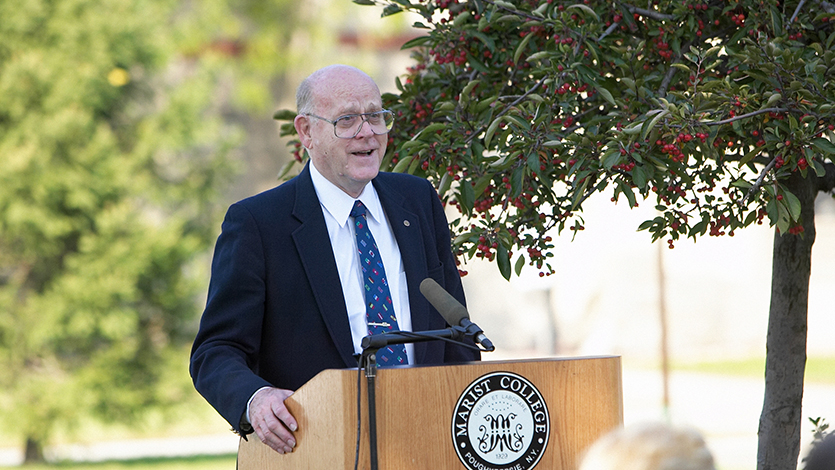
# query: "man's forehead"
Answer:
x=357 y=107
x=347 y=100
x=347 y=85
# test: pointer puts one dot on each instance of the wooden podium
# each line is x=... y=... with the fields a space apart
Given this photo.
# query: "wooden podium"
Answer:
x=421 y=412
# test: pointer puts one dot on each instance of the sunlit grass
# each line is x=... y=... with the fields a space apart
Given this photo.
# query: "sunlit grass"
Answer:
x=818 y=369
x=203 y=462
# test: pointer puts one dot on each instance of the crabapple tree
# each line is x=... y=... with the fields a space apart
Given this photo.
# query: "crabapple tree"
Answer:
x=719 y=113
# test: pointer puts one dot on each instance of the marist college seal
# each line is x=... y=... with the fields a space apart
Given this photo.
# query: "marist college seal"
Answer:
x=500 y=423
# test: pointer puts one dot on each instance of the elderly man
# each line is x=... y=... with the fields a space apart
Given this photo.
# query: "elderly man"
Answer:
x=302 y=272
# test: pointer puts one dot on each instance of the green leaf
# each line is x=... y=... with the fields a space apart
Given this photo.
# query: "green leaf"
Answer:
x=446 y=182
x=466 y=197
x=639 y=177
x=682 y=67
x=824 y=145
x=776 y=21
x=462 y=17
x=610 y=158
x=284 y=115
x=793 y=204
x=491 y=129
x=820 y=171
x=403 y=164
x=469 y=87
x=477 y=64
x=364 y=2
x=628 y=82
x=586 y=9
x=713 y=50
x=783 y=221
x=773 y=99
x=540 y=55
x=699 y=229
x=652 y=123
x=521 y=48
x=750 y=155
x=431 y=128
x=516 y=179
x=520 y=263
x=645 y=225
x=285 y=169
x=606 y=94
x=540 y=12
x=481 y=185
x=391 y=9
x=418 y=41
x=503 y=260
x=627 y=191
x=632 y=129
x=487 y=40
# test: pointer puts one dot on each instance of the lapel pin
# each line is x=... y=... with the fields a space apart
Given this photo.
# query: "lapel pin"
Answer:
x=406 y=223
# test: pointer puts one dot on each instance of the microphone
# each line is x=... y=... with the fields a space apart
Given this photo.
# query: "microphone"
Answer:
x=453 y=312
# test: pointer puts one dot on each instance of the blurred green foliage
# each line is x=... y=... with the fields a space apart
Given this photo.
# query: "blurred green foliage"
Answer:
x=113 y=153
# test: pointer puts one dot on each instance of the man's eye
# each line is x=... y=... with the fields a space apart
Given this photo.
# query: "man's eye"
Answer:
x=346 y=121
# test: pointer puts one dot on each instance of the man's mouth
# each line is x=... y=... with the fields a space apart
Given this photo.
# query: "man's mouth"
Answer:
x=364 y=153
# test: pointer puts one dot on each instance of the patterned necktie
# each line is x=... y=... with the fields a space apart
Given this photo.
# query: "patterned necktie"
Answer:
x=379 y=310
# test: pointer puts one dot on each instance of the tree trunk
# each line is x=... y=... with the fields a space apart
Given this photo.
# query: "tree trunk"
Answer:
x=779 y=429
x=33 y=452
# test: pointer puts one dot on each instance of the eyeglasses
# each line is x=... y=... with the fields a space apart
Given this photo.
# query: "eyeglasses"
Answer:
x=349 y=125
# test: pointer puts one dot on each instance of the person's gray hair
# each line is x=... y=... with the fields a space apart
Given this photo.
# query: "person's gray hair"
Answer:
x=649 y=446
x=304 y=96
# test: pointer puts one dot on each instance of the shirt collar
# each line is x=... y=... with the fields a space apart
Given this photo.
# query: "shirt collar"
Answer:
x=339 y=204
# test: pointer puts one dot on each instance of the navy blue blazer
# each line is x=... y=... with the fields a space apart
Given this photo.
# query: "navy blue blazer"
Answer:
x=275 y=313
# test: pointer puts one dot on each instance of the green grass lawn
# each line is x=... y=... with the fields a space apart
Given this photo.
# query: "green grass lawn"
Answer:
x=818 y=369
x=222 y=462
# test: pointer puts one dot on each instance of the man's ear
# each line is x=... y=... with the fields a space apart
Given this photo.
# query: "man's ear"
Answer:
x=302 y=125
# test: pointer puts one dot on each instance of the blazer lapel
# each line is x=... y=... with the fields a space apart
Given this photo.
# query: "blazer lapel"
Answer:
x=406 y=227
x=316 y=255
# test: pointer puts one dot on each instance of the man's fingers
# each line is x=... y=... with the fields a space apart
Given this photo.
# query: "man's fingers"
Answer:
x=272 y=421
x=273 y=440
x=281 y=412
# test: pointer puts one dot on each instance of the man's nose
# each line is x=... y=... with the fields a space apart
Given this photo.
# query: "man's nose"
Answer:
x=364 y=131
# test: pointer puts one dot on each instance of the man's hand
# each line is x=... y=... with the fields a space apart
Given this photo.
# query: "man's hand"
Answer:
x=271 y=420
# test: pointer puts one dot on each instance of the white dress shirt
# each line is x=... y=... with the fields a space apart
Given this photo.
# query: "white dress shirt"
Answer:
x=336 y=207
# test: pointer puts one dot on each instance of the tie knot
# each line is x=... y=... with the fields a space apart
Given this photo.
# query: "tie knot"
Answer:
x=358 y=209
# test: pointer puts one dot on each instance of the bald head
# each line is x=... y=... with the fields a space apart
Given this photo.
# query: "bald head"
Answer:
x=322 y=82
x=334 y=93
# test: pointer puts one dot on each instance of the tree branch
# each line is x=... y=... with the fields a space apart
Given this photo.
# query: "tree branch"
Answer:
x=508 y=107
x=758 y=184
x=797 y=11
x=648 y=13
x=745 y=116
x=515 y=12
x=608 y=31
